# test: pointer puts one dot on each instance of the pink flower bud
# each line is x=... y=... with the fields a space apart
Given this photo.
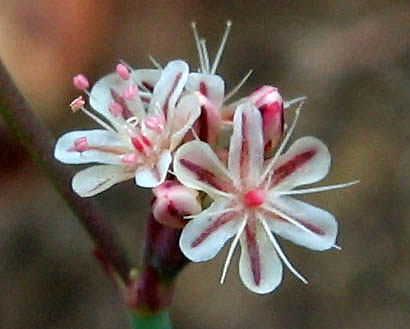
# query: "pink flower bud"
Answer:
x=268 y=100
x=80 y=81
x=122 y=71
x=173 y=201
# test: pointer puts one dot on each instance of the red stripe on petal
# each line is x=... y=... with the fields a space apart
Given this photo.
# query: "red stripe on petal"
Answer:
x=174 y=86
x=244 y=148
x=203 y=125
x=253 y=251
x=291 y=166
x=219 y=222
x=148 y=86
x=204 y=175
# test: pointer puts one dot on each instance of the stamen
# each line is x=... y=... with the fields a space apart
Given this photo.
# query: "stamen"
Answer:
x=205 y=54
x=81 y=82
x=280 y=252
x=122 y=71
x=155 y=62
x=215 y=213
x=221 y=47
x=77 y=104
x=198 y=47
x=232 y=249
x=288 y=218
x=238 y=86
x=98 y=120
x=281 y=147
x=317 y=189
x=195 y=134
x=155 y=123
x=288 y=104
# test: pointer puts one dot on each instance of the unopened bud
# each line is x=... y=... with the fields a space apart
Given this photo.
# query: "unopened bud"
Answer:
x=270 y=103
x=173 y=202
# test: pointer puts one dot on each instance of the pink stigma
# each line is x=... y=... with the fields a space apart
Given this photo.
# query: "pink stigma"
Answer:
x=81 y=144
x=130 y=92
x=77 y=104
x=254 y=198
x=122 y=71
x=80 y=81
x=116 y=109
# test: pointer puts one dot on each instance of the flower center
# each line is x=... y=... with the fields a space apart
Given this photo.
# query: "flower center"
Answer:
x=254 y=198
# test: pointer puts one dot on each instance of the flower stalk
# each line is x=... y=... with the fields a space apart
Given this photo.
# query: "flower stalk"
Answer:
x=39 y=142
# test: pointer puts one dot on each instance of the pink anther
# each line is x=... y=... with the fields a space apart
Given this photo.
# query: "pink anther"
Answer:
x=77 y=104
x=130 y=158
x=81 y=82
x=81 y=144
x=116 y=109
x=254 y=198
x=122 y=71
x=155 y=123
x=130 y=92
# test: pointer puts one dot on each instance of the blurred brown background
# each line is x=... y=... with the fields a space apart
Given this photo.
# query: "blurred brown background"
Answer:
x=352 y=58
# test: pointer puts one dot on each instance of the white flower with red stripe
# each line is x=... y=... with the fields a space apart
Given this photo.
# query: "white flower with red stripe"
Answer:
x=145 y=116
x=252 y=200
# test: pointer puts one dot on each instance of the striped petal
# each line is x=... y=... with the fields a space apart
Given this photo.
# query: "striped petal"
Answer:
x=169 y=87
x=97 y=179
x=259 y=266
x=206 y=234
x=307 y=161
x=103 y=147
x=302 y=223
x=246 y=147
x=197 y=166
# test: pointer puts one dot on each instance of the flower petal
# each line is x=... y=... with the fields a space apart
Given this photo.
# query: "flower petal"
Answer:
x=211 y=86
x=187 y=111
x=103 y=147
x=169 y=87
x=259 y=266
x=307 y=161
x=97 y=179
x=317 y=229
x=152 y=176
x=206 y=234
x=246 y=147
x=198 y=167
x=108 y=90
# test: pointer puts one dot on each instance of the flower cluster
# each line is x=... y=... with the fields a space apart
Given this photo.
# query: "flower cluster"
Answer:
x=163 y=127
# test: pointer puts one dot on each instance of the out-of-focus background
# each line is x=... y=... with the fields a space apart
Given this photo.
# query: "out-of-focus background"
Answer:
x=352 y=58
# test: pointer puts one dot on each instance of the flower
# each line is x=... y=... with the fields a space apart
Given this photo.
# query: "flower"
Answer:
x=145 y=117
x=252 y=200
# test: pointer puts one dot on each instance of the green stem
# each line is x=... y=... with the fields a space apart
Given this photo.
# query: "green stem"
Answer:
x=158 y=320
x=38 y=141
